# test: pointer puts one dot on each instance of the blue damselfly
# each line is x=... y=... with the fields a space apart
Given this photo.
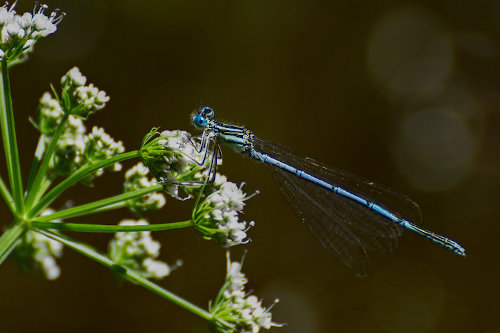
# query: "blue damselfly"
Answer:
x=349 y=216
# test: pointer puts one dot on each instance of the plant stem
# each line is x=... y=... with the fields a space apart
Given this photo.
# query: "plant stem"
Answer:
x=75 y=178
x=91 y=208
x=110 y=207
x=41 y=175
x=40 y=148
x=4 y=191
x=128 y=274
x=109 y=228
x=9 y=139
x=42 y=188
x=10 y=238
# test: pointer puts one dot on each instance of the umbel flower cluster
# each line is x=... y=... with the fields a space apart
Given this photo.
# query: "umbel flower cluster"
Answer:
x=236 y=309
x=19 y=33
x=177 y=165
x=172 y=164
x=136 y=178
x=75 y=147
x=138 y=250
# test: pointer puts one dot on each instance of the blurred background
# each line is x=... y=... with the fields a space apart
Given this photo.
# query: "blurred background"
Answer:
x=403 y=93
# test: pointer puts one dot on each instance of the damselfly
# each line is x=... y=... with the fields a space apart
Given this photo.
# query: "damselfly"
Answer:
x=347 y=215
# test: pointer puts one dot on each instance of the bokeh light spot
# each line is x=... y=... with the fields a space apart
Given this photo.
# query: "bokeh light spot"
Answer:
x=434 y=148
x=410 y=52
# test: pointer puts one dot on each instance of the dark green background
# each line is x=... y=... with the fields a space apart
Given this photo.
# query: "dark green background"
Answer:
x=405 y=94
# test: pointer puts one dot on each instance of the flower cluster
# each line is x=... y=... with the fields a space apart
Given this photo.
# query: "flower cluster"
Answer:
x=79 y=99
x=18 y=33
x=138 y=251
x=136 y=178
x=38 y=253
x=234 y=310
x=217 y=216
x=75 y=148
x=174 y=161
x=100 y=146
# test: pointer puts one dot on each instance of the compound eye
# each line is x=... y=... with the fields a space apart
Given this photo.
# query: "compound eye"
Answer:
x=199 y=121
x=207 y=112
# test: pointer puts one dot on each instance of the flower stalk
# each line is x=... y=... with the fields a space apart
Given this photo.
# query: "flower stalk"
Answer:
x=10 y=238
x=81 y=227
x=9 y=139
x=91 y=207
x=41 y=175
x=77 y=177
x=127 y=274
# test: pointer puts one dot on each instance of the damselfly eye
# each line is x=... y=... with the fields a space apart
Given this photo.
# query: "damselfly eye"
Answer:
x=199 y=121
x=207 y=112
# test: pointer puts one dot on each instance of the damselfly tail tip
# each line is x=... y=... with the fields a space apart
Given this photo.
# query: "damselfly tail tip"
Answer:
x=458 y=249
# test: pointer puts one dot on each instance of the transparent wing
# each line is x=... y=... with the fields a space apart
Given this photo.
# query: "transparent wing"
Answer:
x=348 y=230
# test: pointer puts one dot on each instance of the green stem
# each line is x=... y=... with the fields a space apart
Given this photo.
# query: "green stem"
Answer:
x=40 y=148
x=109 y=228
x=91 y=208
x=10 y=238
x=41 y=175
x=75 y=178
x=4 y=191
x=128 y=274
x=110 y=207
x=47 y=181
x=9 y=139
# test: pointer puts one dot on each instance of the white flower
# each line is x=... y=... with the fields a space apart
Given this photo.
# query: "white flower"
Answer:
x=138 y=250
x=24 y=20
x=220 y=212
x=78 y=98
x=136 y=178
x=101 y=146
x=20 y=32
x=11 y=31
x=236 y=277
x=151 y=246
x=179 y=141
x=101 y=98
x=175 y=162
x=218 y=180
x=245 y=312
x=157 y=269
x=91 y=97
x=73 y=77
x=49 y=106
x=50 y=268
x=70 y=152
x=43 y=25
x=7 y=14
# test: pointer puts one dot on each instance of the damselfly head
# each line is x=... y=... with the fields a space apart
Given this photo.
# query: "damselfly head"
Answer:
x=207 y=112
x=200 y=120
